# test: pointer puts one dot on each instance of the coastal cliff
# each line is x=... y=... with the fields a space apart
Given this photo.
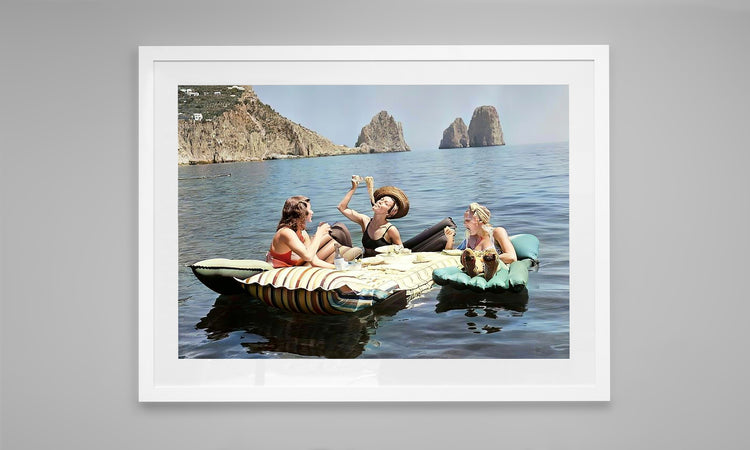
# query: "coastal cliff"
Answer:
x=484 y=128
x=248 y=130
x=382 y=134
x=456 y=135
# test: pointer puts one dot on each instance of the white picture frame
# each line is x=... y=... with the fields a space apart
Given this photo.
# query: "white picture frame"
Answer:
x=585 y=376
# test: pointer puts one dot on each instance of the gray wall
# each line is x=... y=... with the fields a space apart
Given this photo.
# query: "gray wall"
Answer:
x=679 y=122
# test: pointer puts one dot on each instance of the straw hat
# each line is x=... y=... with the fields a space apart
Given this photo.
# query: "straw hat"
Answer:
x=397 y=195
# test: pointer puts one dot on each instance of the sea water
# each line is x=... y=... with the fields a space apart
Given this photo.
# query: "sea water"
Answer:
x=231 y=211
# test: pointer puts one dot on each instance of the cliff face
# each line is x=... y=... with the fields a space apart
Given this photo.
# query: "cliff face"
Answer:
x=382 y=134
x=251 y=131
x=456 y=135
x=484 y=128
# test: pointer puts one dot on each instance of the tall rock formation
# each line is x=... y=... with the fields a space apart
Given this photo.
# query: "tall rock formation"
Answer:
x=251 y=131
x=484 y=128
x=456 y=135
x=382 y=134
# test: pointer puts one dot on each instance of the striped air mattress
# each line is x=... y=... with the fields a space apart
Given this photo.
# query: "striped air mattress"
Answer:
x=315 y=290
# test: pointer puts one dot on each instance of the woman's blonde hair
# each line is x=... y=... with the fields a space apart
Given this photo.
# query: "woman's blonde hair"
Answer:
x=483 y=215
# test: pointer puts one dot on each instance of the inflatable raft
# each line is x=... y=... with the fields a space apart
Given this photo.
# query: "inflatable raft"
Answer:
x=219 y=274
x=432 y=239
x=315 y=290
x=508 y=277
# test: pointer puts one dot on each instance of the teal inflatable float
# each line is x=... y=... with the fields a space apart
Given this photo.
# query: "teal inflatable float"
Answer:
x=513 y=277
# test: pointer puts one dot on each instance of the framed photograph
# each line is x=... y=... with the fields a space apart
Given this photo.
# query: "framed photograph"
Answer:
x=374 y=223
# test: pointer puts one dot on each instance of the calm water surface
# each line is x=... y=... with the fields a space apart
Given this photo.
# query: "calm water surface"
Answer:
x=525 y=187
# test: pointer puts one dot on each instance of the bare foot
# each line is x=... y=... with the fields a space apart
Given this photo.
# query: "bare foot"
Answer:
x=491 y=263
x=472 y=263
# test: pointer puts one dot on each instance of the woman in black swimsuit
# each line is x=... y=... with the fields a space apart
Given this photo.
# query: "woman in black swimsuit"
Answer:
x=389 y=202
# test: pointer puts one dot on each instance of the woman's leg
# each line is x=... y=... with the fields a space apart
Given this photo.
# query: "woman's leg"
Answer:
x=328 y=251
x=339 y=233
x=351 y=253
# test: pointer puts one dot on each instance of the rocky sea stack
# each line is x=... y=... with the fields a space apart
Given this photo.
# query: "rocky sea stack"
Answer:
x=248 y=131
x=456 y=135
x=484 y=128
x=382 y=134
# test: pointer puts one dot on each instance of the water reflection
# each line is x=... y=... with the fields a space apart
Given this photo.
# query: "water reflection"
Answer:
x=482 y=307
x=271 y=330
x=451 y=299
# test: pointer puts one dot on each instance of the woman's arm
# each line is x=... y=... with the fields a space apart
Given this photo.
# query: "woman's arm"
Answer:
x=289 y=238
x=394 y=235
x=351 y=214
x=317 y=262
x=315 y=245
x=450 y=234
x=306 y=250
x=509 y=252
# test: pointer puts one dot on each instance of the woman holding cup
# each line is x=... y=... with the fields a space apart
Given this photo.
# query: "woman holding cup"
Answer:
x=388 y=202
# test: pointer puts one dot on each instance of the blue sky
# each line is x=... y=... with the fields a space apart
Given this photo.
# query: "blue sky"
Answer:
x=528 y=114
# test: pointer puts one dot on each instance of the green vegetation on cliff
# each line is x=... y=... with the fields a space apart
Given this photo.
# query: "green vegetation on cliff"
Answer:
x=210 y=101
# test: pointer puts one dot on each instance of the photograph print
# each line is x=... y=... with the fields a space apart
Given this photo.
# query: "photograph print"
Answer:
x=373 y=221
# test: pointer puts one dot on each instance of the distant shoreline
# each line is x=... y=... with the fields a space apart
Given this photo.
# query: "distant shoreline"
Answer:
x=276 y=157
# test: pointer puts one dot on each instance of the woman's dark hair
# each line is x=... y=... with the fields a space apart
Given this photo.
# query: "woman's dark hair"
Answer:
x=295 y=208
x=393 y=209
